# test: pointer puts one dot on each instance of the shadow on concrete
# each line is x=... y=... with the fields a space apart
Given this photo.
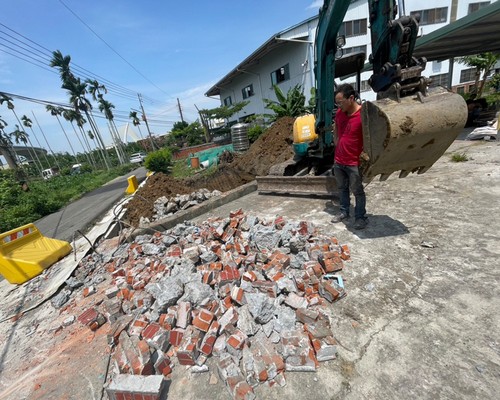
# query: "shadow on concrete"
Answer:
x=378 y=226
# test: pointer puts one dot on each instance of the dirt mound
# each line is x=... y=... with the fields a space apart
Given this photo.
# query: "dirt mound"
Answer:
x=272 y=147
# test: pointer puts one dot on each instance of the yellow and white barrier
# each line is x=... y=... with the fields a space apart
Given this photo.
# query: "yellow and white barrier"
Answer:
x=25 y=253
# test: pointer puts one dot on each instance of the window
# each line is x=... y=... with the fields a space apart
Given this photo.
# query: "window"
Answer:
x=280 y=75
x=355 y=49
x=353 y=28
x=431 y=16
x=436 y=66
x=460 y=89
x=439 y=80
x=365 y=86
x=473 y=7
x=467 y=75
x=247 y=91
x=228 y=101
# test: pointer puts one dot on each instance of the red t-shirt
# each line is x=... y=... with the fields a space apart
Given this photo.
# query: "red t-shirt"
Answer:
x=350 y=138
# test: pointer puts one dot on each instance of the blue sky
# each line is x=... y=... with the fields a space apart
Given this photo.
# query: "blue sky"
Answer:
x=166 y=50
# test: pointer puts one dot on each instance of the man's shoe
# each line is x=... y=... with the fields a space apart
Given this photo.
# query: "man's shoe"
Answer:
x=339 y=217
x=360 y=223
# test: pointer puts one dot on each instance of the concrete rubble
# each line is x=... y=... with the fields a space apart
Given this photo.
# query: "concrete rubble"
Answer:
x=239 y=297
x=165 y=207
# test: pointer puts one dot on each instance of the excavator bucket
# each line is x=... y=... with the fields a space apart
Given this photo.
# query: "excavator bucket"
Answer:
x=410 y=135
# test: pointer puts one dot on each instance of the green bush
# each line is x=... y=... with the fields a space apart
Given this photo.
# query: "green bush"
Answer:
x=18 y=207
x=254 y=132
x=159 y=161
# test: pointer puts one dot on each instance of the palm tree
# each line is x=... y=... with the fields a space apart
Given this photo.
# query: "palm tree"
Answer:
x=71 y=116
x=137 y=122
x=483 y=62
x=107 y=109
x=95 y=88
x=6 y=146
x=77 y=90
x=28 y=124
x=56 y=112
x=31 y=151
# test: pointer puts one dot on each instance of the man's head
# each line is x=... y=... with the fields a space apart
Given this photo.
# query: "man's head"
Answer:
x=345 y=98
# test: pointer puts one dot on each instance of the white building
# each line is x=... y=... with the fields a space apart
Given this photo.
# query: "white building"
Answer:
x=287 y=58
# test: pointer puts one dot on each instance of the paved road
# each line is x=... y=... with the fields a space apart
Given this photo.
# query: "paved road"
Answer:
x=81 y=214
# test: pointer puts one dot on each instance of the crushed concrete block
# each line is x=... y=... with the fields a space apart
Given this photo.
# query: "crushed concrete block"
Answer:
x=166 y=292
x=183 y=314
x=117 y=327
x=246 y=322
x=129 y=386
x=152 y=249
x=265 y=238
x=295 y=301
x=260 y=306
x=284 y=319
x=61 y=298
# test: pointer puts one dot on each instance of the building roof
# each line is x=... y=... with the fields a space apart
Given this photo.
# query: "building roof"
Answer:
x=476 y=33
x=270 y=45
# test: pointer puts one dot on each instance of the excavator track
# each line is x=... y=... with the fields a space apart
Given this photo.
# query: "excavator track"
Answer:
x=321 y=186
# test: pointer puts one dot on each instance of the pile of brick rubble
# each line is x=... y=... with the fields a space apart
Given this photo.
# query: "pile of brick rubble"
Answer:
x=165 y=206
x=246 y=292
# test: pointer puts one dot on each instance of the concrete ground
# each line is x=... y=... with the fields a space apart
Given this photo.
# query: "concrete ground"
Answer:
x=422 y=314
x=421 y=318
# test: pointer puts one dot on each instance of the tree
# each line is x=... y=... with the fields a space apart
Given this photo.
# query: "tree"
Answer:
x=209 y=116
x=184 y=134
x=483 y=63
x=107 y=109
x=56 y=112
x=291 y=105
x=6 y=146
x=137 y=122
x=77 y=90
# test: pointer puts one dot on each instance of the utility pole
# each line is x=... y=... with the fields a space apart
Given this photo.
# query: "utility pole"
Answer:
x=146 y=121
x=180 y=109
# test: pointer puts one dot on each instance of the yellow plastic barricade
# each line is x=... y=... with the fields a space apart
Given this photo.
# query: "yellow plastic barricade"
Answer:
x=25 y=253
x=132 y=184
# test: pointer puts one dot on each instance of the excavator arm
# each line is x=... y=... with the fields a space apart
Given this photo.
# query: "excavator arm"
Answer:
x=408 y=128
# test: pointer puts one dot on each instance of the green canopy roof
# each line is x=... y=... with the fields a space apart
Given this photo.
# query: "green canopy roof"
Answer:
x=476 y=33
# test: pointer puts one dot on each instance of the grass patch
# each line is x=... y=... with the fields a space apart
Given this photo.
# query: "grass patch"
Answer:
x=459 y=157
x=47 y=196
x=182 y=169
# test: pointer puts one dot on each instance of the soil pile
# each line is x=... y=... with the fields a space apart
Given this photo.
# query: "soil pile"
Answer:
x=272 y=147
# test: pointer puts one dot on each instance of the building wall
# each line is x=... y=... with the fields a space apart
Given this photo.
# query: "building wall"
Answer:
x=294 y=54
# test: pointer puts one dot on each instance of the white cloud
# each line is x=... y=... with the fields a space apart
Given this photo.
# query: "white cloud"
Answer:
x=315 y=4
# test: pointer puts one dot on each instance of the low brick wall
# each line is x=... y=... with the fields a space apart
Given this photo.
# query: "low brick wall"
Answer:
x=186 y=151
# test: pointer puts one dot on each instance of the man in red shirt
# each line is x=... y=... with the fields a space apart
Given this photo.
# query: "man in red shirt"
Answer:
x=349 y=145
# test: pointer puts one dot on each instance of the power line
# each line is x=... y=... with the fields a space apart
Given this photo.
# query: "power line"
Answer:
x=24 y=50
x=111 y=48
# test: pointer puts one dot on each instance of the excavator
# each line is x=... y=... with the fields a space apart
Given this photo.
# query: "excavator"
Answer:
x=406 y=129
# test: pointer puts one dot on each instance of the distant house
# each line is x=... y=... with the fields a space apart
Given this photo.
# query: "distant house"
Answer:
x=287 y=58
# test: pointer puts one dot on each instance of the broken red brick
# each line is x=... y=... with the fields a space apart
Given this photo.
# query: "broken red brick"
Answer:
x=203 y=320
x=175 y=336
x=237 y=294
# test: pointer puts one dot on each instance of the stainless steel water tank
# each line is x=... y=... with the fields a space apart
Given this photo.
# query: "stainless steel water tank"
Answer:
x=239 y=137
